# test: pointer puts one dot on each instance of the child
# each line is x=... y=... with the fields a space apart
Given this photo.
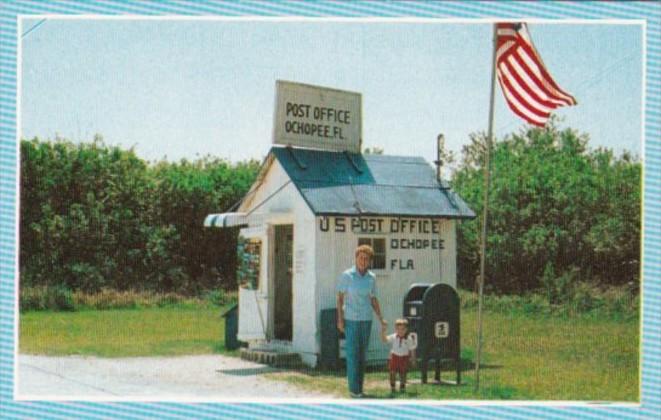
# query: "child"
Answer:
x=402 y=350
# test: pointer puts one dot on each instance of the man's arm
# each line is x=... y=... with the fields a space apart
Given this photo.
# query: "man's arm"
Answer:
x=340 y=312
x=377 y=311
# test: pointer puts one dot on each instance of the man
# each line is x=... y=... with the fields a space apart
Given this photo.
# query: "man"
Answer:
x=356 y=298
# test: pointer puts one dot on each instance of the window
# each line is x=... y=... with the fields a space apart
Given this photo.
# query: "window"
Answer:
x=379 y=247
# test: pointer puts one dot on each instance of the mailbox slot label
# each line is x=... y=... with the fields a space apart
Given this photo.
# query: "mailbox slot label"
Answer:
x=413 y=311
x=442 y=329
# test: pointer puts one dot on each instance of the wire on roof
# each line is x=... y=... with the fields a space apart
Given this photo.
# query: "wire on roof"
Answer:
x=269 y=197
x=351 y=161
x=356 y=203
x=300 y=164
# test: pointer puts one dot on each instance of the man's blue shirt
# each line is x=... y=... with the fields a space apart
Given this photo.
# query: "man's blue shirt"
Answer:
x=358 y=291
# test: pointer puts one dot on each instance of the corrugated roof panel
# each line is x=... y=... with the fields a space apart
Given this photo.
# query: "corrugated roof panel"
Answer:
x=330 y=168
x=351 y=183
x=385 y=200
x=410 y=171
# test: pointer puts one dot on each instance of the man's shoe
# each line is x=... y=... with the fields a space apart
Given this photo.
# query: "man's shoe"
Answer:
x=354 y=395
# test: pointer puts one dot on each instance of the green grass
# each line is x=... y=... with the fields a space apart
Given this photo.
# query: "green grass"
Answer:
x=123 y=332
x=524 y=357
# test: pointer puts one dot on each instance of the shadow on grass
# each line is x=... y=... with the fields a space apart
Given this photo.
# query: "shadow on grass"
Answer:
x=446 y=366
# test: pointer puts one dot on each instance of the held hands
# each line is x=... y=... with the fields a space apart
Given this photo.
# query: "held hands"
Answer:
x=340 y=325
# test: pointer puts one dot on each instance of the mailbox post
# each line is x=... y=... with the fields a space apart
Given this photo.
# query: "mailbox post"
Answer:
x=433 y=314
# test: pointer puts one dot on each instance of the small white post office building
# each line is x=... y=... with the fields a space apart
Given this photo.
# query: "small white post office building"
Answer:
x=303 y=218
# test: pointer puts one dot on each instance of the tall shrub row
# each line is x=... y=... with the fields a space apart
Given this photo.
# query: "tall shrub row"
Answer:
x=95 y=216
x=559 y=213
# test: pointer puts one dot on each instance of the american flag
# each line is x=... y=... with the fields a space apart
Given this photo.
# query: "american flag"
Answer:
x=529 y=89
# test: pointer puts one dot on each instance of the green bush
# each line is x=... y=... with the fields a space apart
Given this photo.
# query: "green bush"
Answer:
x=535 y=304
x=98 y=217
x=56 y=298
x=578 y=298
x=556 y=288
x=220 y=297
x=32 y=298
x=60 y=298
x=557 y=208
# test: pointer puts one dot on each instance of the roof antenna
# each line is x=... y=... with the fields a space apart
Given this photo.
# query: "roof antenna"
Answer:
x=440 y=145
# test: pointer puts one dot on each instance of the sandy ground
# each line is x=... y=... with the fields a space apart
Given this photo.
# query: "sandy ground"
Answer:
x=195 y=377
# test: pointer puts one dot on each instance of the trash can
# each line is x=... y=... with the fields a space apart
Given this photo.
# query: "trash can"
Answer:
x=232 y=328
x=329 y=357
x=433 y=314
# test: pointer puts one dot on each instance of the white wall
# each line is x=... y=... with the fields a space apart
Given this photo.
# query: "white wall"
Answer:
x=285 y=207
x=335 y=253
x=320 y=257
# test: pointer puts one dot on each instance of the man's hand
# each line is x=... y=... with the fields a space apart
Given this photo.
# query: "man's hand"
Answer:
x=340 y=325
x=340 y=312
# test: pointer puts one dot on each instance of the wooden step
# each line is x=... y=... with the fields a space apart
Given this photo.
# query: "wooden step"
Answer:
x=271 y=358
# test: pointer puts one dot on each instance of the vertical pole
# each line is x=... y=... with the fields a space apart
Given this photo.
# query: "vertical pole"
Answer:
x=483 y=238
x=439 y=159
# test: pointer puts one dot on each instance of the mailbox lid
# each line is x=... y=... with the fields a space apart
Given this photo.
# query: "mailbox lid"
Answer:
x=413 y=304
x=416 y=292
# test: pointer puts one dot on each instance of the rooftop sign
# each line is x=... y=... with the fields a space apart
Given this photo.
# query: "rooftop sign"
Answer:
x=317 y=117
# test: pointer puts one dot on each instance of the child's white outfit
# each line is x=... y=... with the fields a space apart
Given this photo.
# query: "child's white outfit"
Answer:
x=400 y=351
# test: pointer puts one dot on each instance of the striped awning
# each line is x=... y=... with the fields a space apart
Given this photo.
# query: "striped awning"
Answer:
x=224 y=220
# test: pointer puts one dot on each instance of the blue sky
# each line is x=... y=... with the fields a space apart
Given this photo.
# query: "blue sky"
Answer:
x=187 y=88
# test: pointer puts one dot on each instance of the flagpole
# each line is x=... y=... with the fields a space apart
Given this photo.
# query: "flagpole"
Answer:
x=483 y=238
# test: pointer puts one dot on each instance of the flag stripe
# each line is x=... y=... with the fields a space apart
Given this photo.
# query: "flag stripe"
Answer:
x=520 y=77
x=503 y=49
x=519 y=93
x=518 y=108
x=525 y=62
x=529 y=90
x=534 y=58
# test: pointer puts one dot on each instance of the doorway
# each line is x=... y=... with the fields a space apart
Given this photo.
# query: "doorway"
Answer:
x=282 y=291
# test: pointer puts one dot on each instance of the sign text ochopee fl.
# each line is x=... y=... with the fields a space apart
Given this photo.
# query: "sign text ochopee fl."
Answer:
x=329 y=120
x=317 y=117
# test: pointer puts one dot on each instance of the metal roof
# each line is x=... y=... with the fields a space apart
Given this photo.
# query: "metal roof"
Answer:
x=346 y=183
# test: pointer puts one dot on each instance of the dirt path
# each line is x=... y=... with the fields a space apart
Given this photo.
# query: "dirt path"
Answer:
x=195 y=377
